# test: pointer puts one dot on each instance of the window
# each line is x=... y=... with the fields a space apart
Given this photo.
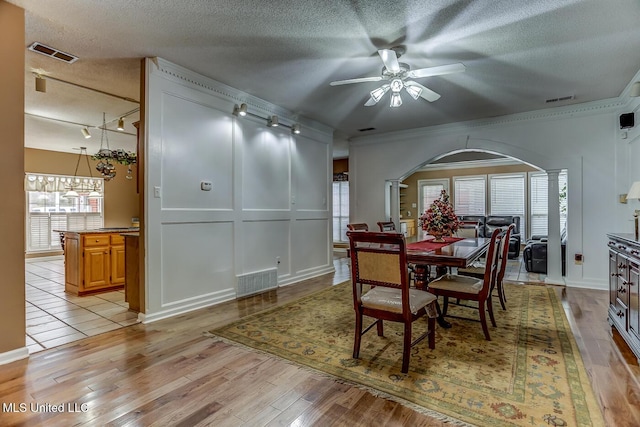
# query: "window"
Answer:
x=429 y=190
x=340 y=210
x=538 y=193
x=507 y=196
x=48 y=209
x=470 y=195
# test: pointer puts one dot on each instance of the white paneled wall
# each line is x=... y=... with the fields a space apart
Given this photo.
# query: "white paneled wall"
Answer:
x=269 y=206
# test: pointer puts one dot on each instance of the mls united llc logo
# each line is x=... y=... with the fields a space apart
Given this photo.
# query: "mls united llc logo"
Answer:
x=44 y=407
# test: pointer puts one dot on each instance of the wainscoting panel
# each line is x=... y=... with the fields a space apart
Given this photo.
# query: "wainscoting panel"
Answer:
x=311 y=176
x=310 y=256
x=264 y=243
x=197 y=261
x=266 y=172
x=196 y=146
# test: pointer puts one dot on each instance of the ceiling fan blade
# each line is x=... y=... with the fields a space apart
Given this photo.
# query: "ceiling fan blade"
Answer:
x=358 y=80
x=390 y=60
x=370 y=102
x=425 y=93
x=437 y=71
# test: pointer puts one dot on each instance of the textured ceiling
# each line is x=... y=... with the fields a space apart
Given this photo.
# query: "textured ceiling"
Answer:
x=517 y=55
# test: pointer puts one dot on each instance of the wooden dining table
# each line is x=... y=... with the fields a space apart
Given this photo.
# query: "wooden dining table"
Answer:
x=453 y=252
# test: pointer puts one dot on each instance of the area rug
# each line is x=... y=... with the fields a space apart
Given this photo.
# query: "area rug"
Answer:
x=530 y=373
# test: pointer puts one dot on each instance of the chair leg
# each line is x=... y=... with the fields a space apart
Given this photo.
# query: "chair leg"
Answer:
x=501 y=296
x=483 y=320
x=445 y=305
x=358 y=337
x=490 y=307
x=431 y=324
x=380 y=327
x=406 y=348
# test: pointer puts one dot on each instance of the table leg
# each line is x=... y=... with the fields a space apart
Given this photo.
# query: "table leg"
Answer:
x=421 y=276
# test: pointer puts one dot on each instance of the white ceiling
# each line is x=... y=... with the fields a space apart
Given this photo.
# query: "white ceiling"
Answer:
x=517 y=54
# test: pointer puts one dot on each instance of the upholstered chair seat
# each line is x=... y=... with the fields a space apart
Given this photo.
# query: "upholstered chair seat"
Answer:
x=389 y=299
x=456 y=283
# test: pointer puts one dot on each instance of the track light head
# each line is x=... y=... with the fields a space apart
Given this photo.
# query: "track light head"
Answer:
x=86 y=133
x=272 y=121
x=240 y=110
x=121 y=123
x=295 y=129
x=41 y=84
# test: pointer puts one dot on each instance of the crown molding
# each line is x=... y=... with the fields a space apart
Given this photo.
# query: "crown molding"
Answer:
x=191 y=78
x=611 y=105
x=469 y=164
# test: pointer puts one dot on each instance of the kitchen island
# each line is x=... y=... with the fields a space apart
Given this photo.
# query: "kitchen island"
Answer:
x=94 y=260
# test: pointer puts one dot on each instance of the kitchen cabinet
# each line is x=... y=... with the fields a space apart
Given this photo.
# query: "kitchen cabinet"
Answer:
x=94 y=261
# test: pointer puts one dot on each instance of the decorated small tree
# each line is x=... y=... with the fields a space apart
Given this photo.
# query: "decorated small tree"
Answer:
x=440 y=219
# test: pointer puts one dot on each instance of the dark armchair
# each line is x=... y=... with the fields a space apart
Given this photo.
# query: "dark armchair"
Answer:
x=487 y=224
x=534 y=254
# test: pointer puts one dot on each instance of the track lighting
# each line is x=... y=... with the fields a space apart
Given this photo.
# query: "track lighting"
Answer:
x=240 y=110
x=41 y=84
x=272 y=121
x=121 y=123
x=86 y=133
x=635 y=90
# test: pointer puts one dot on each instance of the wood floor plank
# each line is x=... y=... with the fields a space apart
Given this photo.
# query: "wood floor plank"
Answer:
x=169 y=373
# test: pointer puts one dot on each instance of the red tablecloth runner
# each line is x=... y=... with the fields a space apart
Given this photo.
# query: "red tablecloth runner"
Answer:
x=430 y=245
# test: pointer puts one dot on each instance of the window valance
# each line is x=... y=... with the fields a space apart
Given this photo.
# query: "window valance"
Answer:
x=47 y=183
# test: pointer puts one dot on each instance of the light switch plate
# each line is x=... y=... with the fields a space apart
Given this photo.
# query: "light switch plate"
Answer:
x=206 y=185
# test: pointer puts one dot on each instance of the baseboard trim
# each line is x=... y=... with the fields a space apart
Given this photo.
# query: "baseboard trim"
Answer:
x=227 y=295
x=13 y=355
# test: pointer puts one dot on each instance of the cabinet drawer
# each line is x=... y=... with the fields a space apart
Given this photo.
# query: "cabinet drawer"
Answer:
x=96 y=240
x=117 y=239
x=620 y=312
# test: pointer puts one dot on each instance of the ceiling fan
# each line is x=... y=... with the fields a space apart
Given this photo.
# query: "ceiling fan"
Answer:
x=397 y=75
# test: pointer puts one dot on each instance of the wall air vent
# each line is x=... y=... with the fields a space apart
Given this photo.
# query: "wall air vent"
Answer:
x=53 y=53
x=564 y=98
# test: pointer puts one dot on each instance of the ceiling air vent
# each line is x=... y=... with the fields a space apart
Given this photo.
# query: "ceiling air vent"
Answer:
x=53 y=53
x=366 y=129
x=564 y=98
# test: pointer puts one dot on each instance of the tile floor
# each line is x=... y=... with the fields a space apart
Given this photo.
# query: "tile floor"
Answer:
x=55 y=317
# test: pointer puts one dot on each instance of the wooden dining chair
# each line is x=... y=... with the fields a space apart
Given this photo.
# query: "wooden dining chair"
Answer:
x=478 y=272
x=358 y=226
x=386 y=225
x=381 y=289
x=473 y=289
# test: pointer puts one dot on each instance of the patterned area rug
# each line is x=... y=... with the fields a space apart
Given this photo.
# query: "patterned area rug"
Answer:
x=530 y=374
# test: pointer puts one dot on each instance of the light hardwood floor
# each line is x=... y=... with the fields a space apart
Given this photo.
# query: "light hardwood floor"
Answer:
x=169 y=374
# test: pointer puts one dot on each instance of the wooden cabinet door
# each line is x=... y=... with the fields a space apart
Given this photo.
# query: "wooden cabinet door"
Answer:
x=613 y=279
x=96 y=267
x=117 y=265
x=634 y=298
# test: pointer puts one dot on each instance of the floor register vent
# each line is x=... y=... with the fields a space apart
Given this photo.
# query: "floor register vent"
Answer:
x=257 y=281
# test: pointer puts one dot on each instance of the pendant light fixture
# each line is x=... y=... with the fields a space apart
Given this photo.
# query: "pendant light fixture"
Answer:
x=75 y=183
x=106 y=168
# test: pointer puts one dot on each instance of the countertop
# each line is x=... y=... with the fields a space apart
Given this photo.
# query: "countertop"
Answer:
x=120 y=230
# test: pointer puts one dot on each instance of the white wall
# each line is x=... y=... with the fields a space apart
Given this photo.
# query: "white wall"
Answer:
x=270 y=196
x=585 y=139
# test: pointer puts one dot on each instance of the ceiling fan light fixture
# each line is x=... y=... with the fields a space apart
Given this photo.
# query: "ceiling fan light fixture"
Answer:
x=396 y=85
x=378 y=93
x=396 y=100
x=414 y=91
